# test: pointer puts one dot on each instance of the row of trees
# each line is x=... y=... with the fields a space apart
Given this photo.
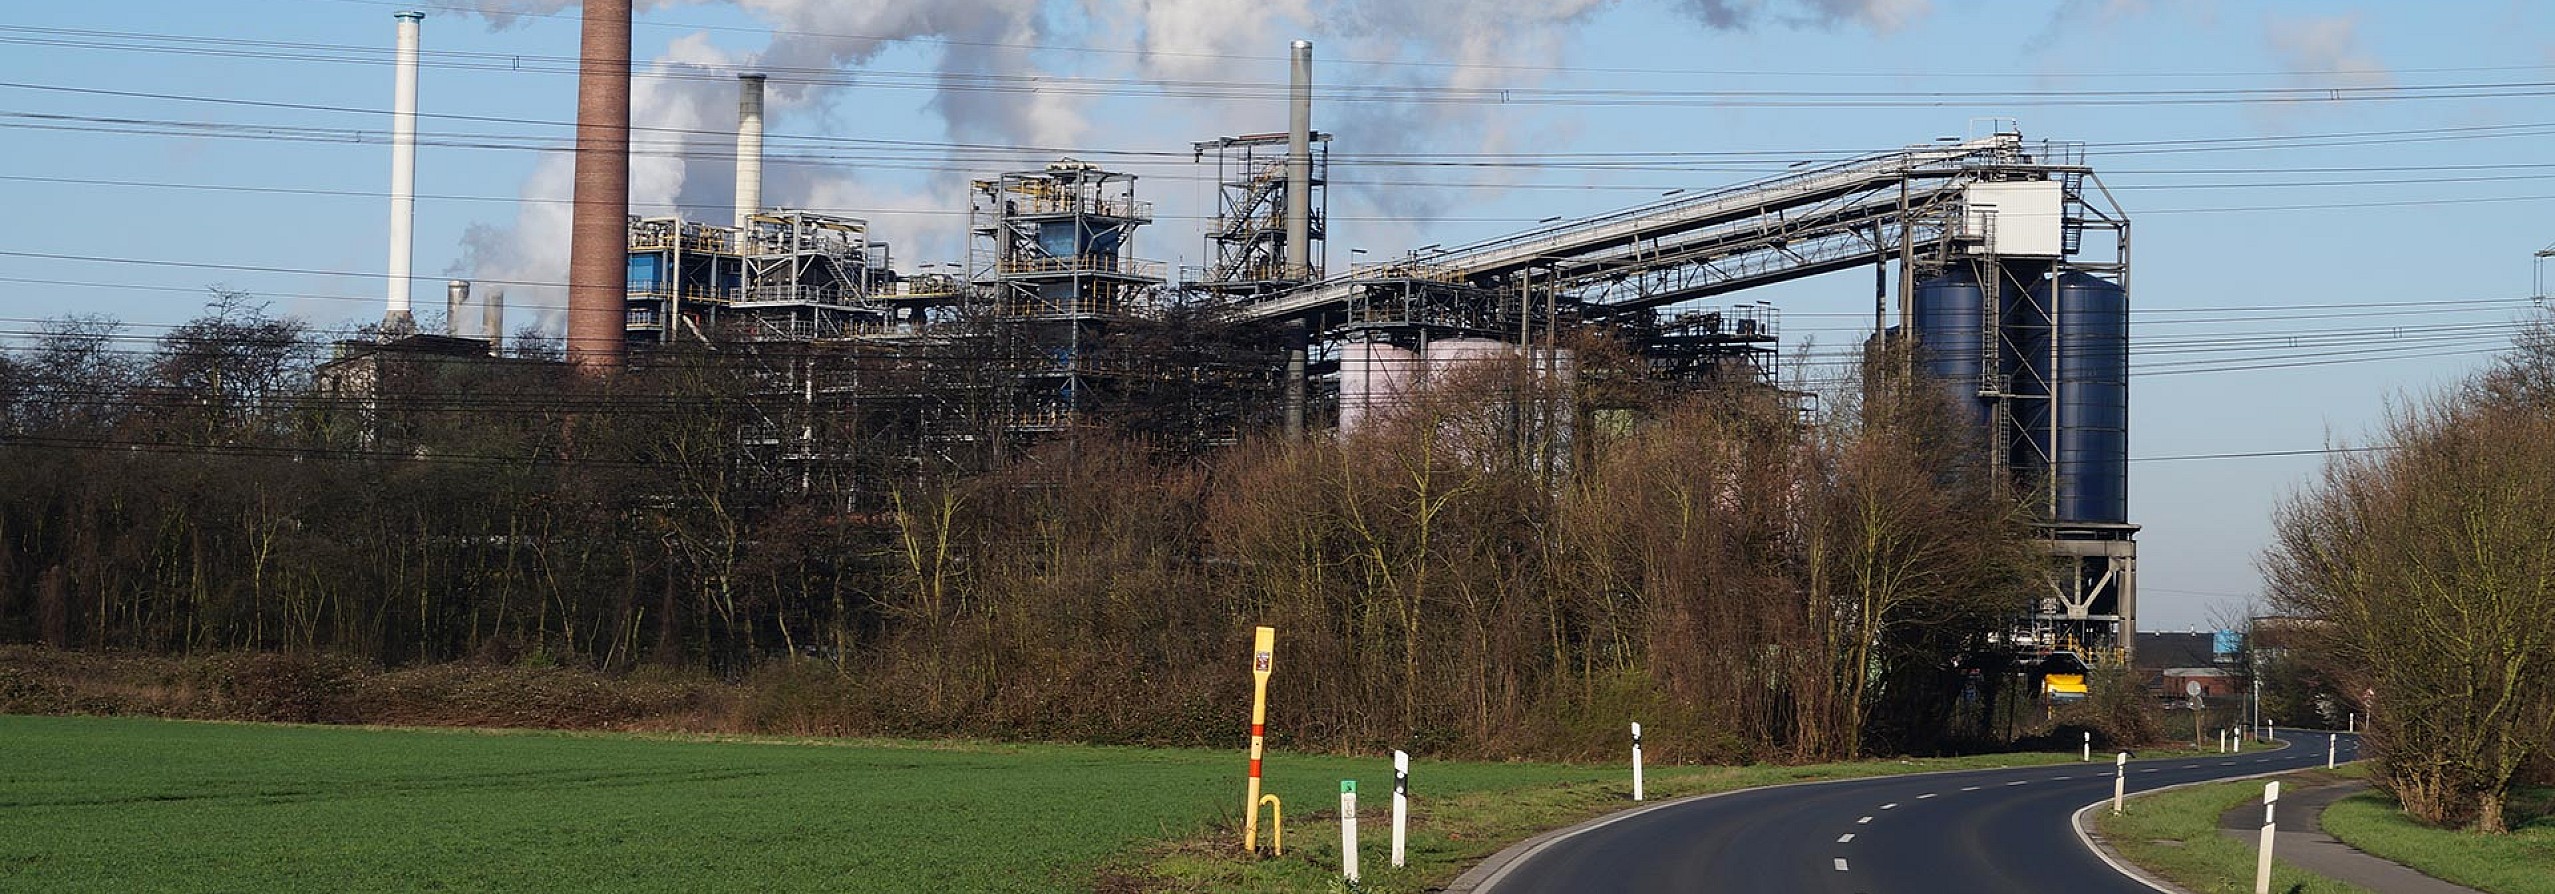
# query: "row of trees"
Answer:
x=2421 y=576
x=1506 y=564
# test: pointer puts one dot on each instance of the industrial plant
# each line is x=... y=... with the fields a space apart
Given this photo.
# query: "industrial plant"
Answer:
x=2004 y=260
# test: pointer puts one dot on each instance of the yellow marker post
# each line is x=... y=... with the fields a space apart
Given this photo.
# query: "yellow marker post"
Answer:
x=1263 y=648
x=1277 y=825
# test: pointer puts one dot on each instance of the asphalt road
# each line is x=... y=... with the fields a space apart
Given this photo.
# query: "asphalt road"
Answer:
x=1971 y=832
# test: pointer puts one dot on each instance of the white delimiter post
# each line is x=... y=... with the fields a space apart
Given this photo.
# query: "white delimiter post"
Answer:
x=2262 y=860
x=1636 y=761
x=2119 y=780
x=1401 y=802
x=1348 y=830
x=2329 y=747
x=2089 y=748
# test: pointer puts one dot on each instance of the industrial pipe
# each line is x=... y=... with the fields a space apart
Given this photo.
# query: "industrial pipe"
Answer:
x=1299 y=164
x=598 y=238
x=396 y=318
x=749 y=147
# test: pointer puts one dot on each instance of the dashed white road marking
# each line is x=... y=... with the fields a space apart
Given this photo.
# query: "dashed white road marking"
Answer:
x=1840 y=864
x=1846 y=838
x=1890 y=806
x=1969 y=788
x=2148 y=770
x=2061 y=778
x=2191 y=766
x=1863 y=821
x=1925 y=796
x=2018 y=782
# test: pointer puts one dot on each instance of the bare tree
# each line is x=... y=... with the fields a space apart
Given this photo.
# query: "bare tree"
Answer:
x=2424 y=580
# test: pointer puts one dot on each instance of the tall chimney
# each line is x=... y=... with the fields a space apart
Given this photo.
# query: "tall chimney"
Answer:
x=492 y=323
x=1299 y=164
x=749 y=146
x=598 y=239
x=456 y=294
x=396 y=319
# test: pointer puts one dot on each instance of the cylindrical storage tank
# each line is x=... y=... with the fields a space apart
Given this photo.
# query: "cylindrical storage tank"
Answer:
x=1373 y=377
x=1951 y=338
x=1455 y=355
x=2093 y=399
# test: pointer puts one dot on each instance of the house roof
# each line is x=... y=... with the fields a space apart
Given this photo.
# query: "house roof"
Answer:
x=2164 y=650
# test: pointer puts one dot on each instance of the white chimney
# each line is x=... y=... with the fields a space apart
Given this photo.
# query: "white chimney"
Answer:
x=749 y=146
x=456 y=294
x=403 y=173
x=493 y=324
x=1299 y=163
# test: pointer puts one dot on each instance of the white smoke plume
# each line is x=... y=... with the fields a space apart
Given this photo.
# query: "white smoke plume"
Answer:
x=683 y=96
x=682 y=106
x=1880 y=15
x=2319 y=52
x=2324 y=51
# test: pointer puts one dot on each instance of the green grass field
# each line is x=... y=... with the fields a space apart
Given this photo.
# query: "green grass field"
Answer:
x=2522 y=862
x=2175 y=834
x=117 y=804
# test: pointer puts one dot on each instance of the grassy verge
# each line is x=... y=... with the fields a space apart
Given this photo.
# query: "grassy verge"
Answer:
x=2175 y=835
x=2522 y=862
x=130 y=804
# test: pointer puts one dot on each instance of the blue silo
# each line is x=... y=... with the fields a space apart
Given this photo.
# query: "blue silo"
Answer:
x=1951 y=334
x=2092 y=398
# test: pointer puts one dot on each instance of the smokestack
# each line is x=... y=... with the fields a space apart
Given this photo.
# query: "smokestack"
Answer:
x=456 y=294
x=1299 y=164
x=492 y=323
x=749 y=146
x=598 y=240
x=397 y=320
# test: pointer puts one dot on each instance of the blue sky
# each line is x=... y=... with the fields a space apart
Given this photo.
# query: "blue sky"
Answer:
x=2301 y=257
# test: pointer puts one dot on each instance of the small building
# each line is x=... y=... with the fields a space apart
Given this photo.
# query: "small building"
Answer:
x=2169 y=662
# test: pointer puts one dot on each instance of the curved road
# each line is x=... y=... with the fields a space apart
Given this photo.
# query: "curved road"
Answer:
x=1968 y=832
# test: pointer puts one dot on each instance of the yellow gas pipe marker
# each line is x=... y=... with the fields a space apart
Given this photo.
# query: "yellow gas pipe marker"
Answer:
x=1263 y=647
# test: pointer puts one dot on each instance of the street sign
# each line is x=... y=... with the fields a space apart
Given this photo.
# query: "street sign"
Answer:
x=2191 y=688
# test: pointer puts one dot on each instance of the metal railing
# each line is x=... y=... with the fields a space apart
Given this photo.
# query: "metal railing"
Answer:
x=1082 y=264
x=1016 y=204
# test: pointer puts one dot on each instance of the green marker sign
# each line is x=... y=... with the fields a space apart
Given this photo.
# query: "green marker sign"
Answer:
x=1348 y=786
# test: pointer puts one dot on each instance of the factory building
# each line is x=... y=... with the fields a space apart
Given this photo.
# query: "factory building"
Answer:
x=2008 y=264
